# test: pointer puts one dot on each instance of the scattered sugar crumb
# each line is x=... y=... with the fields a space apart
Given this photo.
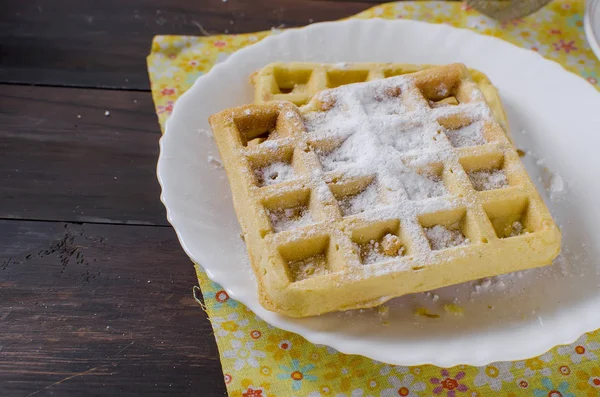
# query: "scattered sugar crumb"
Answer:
x=453 y=309
x=107 y=113
x=391 y=245
x=78 y=116
x=491 y=284
x=470 y=135
x=434 y=297
x=488 y=179
x=315 y=265
x=206 y=132
x=441 y=237
x=515 y=229
x=274 y=173
x=215 y=162
x=290 y=218
x=361 y=202
x=423 y=312
x=247 y=112
x=552 y=182
x=557 y=184
x=383 y=313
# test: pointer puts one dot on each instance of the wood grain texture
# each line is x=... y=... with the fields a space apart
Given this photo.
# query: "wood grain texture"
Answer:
x=101 y=310
x=64 y=159
x=105 y=43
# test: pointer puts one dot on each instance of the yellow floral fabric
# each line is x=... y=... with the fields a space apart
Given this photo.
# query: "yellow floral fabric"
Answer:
x=261 y=361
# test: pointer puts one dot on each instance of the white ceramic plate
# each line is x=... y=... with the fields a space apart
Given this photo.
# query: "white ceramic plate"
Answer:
x=592 y=25
x=553 y=113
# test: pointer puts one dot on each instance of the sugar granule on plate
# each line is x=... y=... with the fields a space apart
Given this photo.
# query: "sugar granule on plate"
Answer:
x=383 y=313
x=206 y=132
x=488 y=179
x=215 y=162
x=453 y=309
x=423 y=312
x=440 y=237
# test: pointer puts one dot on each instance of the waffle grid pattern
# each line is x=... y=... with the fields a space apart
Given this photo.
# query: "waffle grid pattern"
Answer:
x=305 y=247
x=298 y=82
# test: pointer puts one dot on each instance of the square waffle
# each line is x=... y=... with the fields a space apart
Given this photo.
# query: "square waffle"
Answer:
x=379 y=189
x=298 y=82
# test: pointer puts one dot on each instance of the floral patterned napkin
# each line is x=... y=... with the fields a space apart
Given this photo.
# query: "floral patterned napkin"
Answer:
x=261 y=361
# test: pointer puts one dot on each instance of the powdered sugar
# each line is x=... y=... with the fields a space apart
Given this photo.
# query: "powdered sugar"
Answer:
x=440 y=237
x=290 y=218
x=360 y=202
x=380 y=250
x=424 y=186
x=379 y=124
x=214 y=162
x=345 y=154
x=274 y=173
x=315 y=265
x=470 y=135
x=488 y=179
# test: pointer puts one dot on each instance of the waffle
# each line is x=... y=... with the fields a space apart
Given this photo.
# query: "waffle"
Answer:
x=379 y=189
x=298 y=82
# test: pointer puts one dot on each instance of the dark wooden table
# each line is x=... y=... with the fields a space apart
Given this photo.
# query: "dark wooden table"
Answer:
x=95 y=291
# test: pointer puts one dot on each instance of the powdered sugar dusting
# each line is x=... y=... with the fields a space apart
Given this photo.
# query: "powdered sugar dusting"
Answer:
x=380 y=250
x=274 y=173
x=376 y=141
x=488 y=179
x=214 y=162
x=440 y=237
x=360 y=202
x=470 y=135
x=290 y=218
x=424 y=186
x=315 y=265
